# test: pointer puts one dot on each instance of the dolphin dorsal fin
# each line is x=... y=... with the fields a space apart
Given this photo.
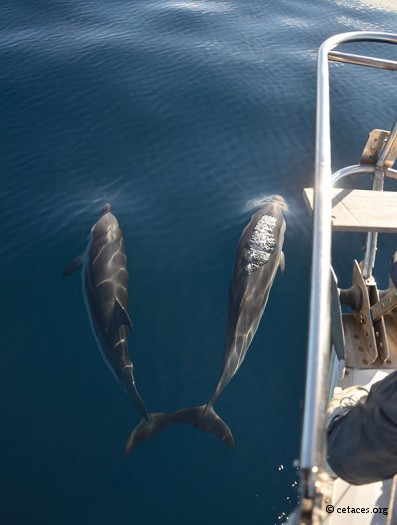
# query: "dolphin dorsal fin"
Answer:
x=120 y=315
x=73 y=266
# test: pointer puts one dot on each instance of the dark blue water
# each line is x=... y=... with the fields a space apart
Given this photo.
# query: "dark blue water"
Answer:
x=181 y=114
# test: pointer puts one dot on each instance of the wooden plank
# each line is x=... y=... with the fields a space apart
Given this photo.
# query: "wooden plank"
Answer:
x=361 y=210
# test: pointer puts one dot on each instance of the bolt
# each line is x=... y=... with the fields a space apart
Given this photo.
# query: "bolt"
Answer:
x=356 y=336
x=360 y=349
x=365 y=361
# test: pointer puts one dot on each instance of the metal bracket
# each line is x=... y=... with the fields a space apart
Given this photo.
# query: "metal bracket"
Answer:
x=376 y=142
x=385 y=305
x=379 y=326
x=368 y=333
x=363 y=317
x=337 y=336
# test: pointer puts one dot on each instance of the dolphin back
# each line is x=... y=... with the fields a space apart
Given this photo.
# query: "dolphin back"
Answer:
x=107 y=273
x=105 y=287
x=257 y=260
x=258 y=256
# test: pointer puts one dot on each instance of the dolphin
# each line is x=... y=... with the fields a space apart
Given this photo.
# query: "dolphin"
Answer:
x=105 y=281
x=259 y=255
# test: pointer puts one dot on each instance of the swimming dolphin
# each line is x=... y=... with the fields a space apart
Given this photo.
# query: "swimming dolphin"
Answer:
x=105 y=280
x=258 y=257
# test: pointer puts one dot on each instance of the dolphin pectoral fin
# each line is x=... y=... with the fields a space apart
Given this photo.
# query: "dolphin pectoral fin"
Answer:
x=73 y=266
x=206 y=419
x=120 y=315
x=146 y=430
x=282 y=262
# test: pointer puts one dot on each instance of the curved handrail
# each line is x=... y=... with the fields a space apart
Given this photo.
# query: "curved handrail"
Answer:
x=314 y=422
x=360 y=169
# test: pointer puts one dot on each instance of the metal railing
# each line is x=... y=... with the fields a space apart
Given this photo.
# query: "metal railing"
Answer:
x=314 y=423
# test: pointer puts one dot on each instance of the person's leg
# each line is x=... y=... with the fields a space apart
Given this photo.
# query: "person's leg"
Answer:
x=362 y=444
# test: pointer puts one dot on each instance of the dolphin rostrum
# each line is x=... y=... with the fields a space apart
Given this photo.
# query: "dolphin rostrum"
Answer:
x=258 y=257
x=105 y=280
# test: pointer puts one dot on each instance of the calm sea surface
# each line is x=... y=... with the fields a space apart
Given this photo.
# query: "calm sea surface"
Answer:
x=182 y=114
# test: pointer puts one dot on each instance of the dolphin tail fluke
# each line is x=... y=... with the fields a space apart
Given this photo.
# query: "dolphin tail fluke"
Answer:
x=203 y=417
x=206 y=419
x=146 y=430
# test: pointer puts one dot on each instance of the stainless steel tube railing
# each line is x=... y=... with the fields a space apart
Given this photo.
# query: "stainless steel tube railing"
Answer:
x=377 y=185
x=360 y=169
x=363 y=60
x=313 y=436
